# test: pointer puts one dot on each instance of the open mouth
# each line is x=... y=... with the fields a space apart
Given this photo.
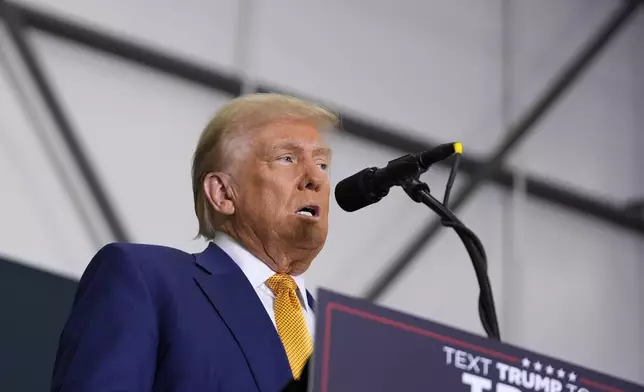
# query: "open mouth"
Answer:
x=311 y=211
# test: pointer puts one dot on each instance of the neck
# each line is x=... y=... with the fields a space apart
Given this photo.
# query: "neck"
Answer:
x=272 y=250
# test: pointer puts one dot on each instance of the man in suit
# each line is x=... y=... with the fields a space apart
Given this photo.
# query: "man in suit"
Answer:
x=236 y=317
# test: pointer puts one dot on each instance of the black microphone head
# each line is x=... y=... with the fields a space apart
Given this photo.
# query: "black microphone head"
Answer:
x=355 y=192
x=436 y=154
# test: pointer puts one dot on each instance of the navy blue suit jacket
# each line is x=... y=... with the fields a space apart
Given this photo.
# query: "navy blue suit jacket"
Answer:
x=152 y=318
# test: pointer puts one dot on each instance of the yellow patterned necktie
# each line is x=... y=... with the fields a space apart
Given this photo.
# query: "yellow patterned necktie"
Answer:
x=291 y=325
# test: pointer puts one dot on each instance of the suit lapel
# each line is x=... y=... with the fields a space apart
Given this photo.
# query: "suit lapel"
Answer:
x=311 y=301
x=237 y=303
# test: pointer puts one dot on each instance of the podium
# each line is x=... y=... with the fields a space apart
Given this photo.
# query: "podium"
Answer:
x=361 y=346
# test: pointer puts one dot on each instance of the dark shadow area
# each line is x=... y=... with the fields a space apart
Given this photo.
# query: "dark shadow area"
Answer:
x=34 y=306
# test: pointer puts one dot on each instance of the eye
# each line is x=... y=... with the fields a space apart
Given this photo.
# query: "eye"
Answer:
x=286 y=158
x=323 y=166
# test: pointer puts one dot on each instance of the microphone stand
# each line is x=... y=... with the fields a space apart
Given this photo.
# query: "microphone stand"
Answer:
x=419 y=192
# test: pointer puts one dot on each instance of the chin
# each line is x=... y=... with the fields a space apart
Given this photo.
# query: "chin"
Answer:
x=307 y=234
x=311 y=239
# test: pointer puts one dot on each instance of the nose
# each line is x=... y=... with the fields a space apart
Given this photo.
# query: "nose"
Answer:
x=312 y=179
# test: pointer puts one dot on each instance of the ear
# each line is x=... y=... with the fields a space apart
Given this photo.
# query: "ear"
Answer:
x=216 y=187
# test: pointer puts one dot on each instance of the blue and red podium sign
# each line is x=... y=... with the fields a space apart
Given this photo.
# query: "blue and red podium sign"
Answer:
x=364 y=347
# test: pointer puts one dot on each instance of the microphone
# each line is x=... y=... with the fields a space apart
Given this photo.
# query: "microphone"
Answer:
x=370 y=185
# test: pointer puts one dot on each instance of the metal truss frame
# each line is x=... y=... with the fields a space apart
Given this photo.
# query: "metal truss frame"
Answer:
x=19 y=18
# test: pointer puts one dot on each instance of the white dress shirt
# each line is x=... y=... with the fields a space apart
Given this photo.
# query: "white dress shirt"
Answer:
x=257 y=273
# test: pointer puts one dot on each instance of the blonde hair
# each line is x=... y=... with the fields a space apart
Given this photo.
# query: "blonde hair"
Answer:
x=239 y=116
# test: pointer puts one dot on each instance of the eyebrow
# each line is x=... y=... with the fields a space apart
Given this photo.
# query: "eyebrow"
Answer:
x=291 y=145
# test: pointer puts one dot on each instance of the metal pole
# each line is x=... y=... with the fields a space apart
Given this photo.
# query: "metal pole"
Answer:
x=15 y=25
x=553 y=93
x=33 y=116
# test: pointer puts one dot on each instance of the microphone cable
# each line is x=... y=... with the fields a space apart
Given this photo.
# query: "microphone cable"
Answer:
x=419 y=192
x=458 y=150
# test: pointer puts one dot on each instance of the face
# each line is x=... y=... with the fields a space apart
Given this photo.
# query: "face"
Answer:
x=280 y=190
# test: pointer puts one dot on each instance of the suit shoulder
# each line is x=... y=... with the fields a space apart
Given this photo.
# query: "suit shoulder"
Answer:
x=133 y=263
x=143 y=257
x=138 y=251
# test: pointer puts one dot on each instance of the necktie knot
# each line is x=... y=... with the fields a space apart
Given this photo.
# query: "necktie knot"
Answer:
x=280 y=283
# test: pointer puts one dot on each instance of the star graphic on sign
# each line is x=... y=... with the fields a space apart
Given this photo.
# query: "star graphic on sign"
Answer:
x=550 y=370
x=572 y=377
x=525 y=362
x=538 y=366
x=561 y=373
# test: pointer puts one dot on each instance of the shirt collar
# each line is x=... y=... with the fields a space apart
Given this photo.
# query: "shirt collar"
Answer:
x=256 y=271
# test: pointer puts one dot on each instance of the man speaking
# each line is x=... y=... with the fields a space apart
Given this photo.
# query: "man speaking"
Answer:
x=236 y=317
